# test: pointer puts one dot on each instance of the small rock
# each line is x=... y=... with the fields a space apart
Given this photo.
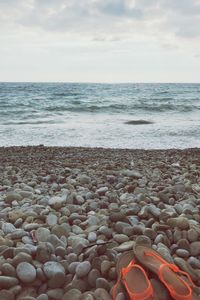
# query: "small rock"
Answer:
x=52 y=268
x=131 y=173
x=8 y=228
x=101 y=191
x=55 y=294
x=92 y=237
x=195 y=248
x=42 y=234
x=182 y=253
x=52 y=219
x=44 y=251
x=7 y=282
x=11 y=196
x=192 y=235
x=83 y=269
x=102 y=283
x=101 y=294
x=121 y=238
x=26 y=272
x=6 y=295
x=73 y=294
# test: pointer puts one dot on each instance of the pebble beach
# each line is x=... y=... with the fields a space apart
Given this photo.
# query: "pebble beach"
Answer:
x=67 y=214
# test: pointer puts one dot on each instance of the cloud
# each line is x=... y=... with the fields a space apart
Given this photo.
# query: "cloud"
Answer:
x=106 y=18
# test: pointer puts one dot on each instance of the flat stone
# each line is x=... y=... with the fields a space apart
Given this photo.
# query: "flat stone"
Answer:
x=26 y=272
x=42 y=234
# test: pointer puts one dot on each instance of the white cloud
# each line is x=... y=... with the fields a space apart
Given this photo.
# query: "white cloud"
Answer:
x=92 y=17
x=118 y=33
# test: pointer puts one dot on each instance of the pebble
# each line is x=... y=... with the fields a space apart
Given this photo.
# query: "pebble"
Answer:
x=102 y=283
x=92 y=237
x=57 y=205
x=6 y=295
x=83 y=269
x=6 y=282
x=195 y=248
x=52 y=219
x=26 y=272
x=73 y=294
x=183 y=253
x=52 y=268
x=102 y=294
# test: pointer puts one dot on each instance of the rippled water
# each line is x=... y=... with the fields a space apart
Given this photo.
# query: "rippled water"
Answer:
x=102 y=115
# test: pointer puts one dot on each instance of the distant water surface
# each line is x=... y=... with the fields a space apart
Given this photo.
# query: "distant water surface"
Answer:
x=147 y=116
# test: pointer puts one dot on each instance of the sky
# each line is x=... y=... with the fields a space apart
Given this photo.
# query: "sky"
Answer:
x=100 y=40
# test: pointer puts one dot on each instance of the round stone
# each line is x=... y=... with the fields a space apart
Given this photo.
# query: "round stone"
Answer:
x=92 y=236
x=83 y=269
x=26 y=272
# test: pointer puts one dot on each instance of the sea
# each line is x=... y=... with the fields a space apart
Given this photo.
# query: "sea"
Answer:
x=132 y=115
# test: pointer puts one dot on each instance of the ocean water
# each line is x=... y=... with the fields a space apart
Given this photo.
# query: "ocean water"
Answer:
x=142 y=116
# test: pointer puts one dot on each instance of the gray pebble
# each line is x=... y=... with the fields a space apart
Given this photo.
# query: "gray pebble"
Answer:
x=26 y=272
x=83 y=269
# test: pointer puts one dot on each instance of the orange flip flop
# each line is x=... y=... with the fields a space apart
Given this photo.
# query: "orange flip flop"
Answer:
x=134 y=278
x=167 y=273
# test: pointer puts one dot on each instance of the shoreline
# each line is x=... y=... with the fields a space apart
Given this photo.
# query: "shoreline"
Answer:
x=58 y=203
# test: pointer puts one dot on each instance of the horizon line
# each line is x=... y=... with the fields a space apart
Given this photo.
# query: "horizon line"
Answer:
x=98 y=82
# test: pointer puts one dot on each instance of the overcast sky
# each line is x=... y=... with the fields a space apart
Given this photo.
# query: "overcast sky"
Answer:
x=100 y=40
